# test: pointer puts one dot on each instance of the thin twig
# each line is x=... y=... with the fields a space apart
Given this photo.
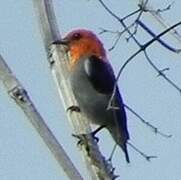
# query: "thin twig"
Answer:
x=118 y=19
x=160 y=73
x=158 y=11
x=148 y=158
x=118 y=35
x=143 y=48
x=154 y=128
x=131 y=14
x=167 y=46
x=158 y=17
x=142 y=7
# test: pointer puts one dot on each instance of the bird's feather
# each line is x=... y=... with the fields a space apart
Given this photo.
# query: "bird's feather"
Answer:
x=102 y=78
x=100 y=74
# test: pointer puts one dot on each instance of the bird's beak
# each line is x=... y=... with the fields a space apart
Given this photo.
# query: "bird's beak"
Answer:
x=64 y=41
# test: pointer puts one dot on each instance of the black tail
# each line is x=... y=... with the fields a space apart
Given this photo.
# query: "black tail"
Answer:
x=125 y=152
x=121 y=140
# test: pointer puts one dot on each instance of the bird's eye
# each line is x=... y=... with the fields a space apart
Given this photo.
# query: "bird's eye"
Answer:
x=76 y=36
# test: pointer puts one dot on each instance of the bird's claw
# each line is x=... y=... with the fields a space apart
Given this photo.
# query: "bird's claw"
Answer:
x=73 y=108
x=83 y=138
x=84 y=141
x=93 y=134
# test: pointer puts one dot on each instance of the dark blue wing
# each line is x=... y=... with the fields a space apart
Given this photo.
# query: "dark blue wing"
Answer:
x=102 y=78
x=100 y=74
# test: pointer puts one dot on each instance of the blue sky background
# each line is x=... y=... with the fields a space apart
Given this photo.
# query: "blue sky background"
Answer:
x=23 y=155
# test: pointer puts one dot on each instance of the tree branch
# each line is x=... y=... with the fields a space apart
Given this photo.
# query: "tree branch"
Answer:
x=17 y=92
x=143 y=49
x=163 y=22
x=59 y=64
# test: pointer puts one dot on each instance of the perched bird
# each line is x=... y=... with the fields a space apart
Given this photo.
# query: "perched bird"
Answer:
x=93 y=80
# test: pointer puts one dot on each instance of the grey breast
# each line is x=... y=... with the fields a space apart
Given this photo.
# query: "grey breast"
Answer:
x=92 y=103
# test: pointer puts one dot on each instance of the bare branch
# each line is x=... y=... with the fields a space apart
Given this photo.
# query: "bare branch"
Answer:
x=158 y=11
x=148 y=158
x=161 y=34
x=142 y=7
x=154 y=128
x=121 y=21
x=161 y=73
x=117 y=33
x=162 y=70
x=143 y=48
x=158 y=17
x=167 y=46
x=17 y=92
x=59 y=64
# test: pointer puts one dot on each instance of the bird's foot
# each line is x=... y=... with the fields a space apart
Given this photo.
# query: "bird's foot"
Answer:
x=83 y=138
x=73 y=108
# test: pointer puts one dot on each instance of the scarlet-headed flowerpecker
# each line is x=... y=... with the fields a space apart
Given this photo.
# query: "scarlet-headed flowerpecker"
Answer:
x=92 y=80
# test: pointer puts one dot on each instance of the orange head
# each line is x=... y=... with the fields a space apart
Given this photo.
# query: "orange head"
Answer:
x=83 y=43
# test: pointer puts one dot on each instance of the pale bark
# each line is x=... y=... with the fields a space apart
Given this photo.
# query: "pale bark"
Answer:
x=17 y=92
x=59 y=64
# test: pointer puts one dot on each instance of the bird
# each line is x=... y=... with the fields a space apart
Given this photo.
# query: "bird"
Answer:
x=93 y=81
